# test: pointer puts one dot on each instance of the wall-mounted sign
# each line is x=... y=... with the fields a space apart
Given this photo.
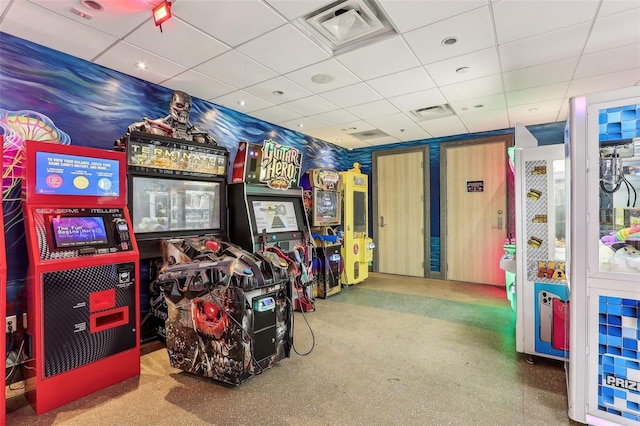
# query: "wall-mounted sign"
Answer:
x=475 y=186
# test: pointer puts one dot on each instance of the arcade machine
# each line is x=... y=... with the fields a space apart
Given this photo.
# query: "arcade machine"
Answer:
x=266 y=211
x=357 y=247
x=542 y=299
x=82 y=284
x=176 y=189
x=3 y=303
x=603 y=257
x=323 y=205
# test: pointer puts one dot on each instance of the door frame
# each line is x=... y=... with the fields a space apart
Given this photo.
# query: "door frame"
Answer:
x=508 y=139
x=426 y=226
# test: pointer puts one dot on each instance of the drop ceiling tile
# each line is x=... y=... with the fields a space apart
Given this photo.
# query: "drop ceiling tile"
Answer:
x=479 y=105
x=230 y=21
x=241 y=101
x=611 y=7
x=515 y=20
x=537 y=94
x=117 y=18
x=198 y=85
x=422 y=99
x=538 y=75
x=482 y=63
x=186 y=45
x=473 y=88
x=473 y=30
x=302 y=124
x=610 y=60
x=275 y=114
x=614 y=31
x=332 y=118
x=123 y=57
x=446 y=126
x=310 y=106
x=355 y=94
x=543 y=48
x=604 y=82
x=484 y=121
x=402 y=82
x=341 y=76
x=408 y=15
x=373 y=109
x=37 y=29
x=293 y=9
x=385 y=57
x=399 y=126
x=291 y=91
x=284 y=49
x=536 y=113
x=353 y=127
x=387 y=140
x=235 y=69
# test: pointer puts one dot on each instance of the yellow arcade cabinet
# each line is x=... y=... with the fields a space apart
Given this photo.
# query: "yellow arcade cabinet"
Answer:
x=357 y=247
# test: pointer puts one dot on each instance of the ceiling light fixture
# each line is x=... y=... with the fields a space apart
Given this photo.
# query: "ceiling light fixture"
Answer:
x=162 y=13
x=462 y=70
x=141 y=65
x=322 y=78
x=278 y=92
x=449 y=41
x=242 y=103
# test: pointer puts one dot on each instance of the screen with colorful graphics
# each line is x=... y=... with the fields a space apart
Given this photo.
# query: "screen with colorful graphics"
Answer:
x=61 y=174
x=73 y=231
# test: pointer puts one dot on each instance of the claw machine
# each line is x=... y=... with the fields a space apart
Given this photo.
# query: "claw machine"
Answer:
x=603 y=257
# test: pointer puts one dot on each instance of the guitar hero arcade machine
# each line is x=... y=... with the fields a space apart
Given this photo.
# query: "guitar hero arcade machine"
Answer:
x=82 y=282
x=266 y=210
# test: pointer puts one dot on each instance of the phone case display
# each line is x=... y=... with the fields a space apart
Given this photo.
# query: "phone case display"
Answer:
x=603 y=246
x=541 y=293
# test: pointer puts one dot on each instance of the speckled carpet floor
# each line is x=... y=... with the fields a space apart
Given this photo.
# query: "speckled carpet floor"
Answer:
x=389 y=351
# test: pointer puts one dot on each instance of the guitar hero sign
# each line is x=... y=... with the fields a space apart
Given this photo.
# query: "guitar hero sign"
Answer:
x=280 y=165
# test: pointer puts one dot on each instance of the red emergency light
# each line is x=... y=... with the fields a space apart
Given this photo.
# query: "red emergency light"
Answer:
x=162 y=13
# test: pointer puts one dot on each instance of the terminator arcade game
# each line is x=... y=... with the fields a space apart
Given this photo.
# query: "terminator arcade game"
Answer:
x=324 y=209
x=83 y=290
x=266 y=208
x=357 y=246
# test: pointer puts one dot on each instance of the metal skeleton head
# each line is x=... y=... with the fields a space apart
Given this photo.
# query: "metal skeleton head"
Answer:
x=180 y=106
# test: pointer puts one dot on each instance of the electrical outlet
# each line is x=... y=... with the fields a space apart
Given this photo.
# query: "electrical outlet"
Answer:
x=12 y=324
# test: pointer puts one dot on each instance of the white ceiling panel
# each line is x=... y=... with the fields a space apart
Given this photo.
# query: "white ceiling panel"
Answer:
x=123 y=57
x=534 y=54
x=284 y=49
x=235 y=69
x=181 y=43
x=230 y=21
x=198 y=85
x=516 y=20
x=472 y=30
x=33 y=23
x=300 y=124
x=402 y=82
x=382 y=58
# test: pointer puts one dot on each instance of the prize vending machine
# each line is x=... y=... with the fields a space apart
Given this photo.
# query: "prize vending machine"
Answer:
x=82 y=282
x=603 y=257
x=176 y=189
x=266 y=211
x=322 y=195
x=357 y=246
x=542 y=300
x=3 y=303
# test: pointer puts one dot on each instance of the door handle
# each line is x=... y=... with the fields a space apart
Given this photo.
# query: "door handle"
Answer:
x=381 y=221
x=499 y=220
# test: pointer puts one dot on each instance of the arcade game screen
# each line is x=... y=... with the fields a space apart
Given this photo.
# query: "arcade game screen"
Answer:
x=359 y=212
x=76 y=231
x=327 y=206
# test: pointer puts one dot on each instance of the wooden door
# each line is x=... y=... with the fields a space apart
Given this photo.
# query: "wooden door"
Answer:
x=400 y=213
x=475 y=210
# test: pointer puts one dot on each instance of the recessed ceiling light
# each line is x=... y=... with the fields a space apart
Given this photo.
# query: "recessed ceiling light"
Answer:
x=278 y=92
x=141 y=65
x=338 y=140
x=322 y=78
x=242 y=103
x=93 y=5
x=449 y=41
x=478 y=106
x=533 y=109
x=300 y=125
x=462 y=70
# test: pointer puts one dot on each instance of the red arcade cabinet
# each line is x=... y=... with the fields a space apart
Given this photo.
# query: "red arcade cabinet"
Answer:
x=83 y=290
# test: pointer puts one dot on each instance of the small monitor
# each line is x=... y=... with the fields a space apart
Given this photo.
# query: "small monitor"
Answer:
x=75 y=231
x=326 y=208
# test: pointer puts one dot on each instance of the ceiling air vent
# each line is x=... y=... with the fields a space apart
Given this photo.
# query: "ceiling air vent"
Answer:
x=346 y=24
x=432 y=112
x=367 y=135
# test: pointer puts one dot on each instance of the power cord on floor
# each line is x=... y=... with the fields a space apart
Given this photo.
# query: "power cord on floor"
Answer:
x=313 y=337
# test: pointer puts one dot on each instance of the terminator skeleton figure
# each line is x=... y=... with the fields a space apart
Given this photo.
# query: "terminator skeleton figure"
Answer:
x=175 y=125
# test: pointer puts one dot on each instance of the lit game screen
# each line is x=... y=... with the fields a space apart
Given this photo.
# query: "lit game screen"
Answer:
x=61 y=174
x=275 y=216
x=74 y=231
x=359 y=212
x=327 y=208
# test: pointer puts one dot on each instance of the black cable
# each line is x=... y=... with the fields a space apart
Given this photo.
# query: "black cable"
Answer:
x=635 y=193
x=313 y=336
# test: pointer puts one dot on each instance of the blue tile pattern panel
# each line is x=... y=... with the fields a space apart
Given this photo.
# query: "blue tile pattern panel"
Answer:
x=619 y=123
x=618 y=357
